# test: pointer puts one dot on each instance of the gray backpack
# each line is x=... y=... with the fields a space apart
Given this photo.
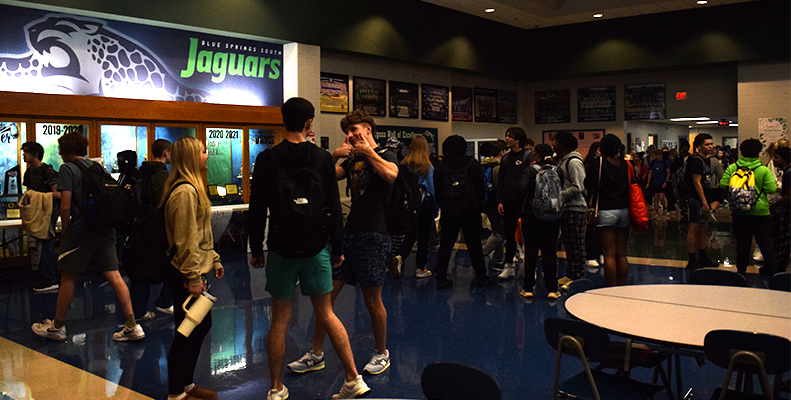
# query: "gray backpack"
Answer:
x=547 y=203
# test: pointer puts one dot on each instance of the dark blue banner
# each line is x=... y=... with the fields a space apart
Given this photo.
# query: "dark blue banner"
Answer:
x=56 y=53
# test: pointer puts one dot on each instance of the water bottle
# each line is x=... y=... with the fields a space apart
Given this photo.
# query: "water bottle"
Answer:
x=195 y=314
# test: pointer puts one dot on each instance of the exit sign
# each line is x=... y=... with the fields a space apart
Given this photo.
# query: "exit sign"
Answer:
x=681 y=96
x=724 y=122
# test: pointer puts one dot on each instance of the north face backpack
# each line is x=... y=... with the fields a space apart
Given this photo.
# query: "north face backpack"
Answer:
x=742 y=193
x=147 y=255
x=405 y=201
x=547 y=203
x=299 y=214
x=458 y=193
x=107 y=204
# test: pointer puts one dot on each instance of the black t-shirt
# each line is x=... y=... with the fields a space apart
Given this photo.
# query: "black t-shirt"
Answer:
x=786 y=182
x=40 y=178
x=370 y=193
x=698 y=165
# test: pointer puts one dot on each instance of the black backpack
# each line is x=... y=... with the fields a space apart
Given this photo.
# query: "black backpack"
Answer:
x=107 y=204
x=405 y=201
x=458 y=192
x=298 y=222
x=147 y=255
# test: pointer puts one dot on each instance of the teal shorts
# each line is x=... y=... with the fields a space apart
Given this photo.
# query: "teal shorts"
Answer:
x=314 y=275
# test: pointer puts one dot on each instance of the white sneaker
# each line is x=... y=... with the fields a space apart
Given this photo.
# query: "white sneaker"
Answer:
x=423 y=273
x=601 y=260
x=592 y=263
x=274 y=394
x=168 y=310
x=354 y=389
x=508 y=272
x=125 y=336
x=309 y=362
x=148 y=316
x=378 y=363
x=47 y=330
x=758 y=256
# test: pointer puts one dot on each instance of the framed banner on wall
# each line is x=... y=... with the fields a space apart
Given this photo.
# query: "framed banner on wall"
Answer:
x=507 y=107
x=334 y=93
x=644 y=101
x=435 y=102
x=370 y=95
x=403 y=100
x=596 y=104
x=553 y=107
x=461 y=103
x=485 y=105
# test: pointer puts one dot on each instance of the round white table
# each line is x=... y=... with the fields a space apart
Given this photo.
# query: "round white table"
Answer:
x=681 y=315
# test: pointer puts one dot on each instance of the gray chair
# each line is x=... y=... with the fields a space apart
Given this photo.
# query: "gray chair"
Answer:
x=781 y=281
x=448 y=381
x=717 y=277
x=586 y=342
x=748 y=353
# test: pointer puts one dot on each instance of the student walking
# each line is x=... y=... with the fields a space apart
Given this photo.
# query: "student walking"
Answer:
x=295 y=182
x=459 y=185
x=83 y=247
x=188 y=228
x=42 y=178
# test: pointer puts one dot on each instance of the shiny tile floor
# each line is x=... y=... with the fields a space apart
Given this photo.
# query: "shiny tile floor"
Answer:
x=492 y=329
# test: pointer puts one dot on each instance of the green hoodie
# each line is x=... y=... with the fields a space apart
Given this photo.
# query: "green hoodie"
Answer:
x=764 y=182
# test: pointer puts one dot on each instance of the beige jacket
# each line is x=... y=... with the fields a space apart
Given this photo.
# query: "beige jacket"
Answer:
x=35 y=208
x=189 y=229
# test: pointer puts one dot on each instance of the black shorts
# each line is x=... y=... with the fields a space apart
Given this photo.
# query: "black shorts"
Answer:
x=654 y=188
x=367 y=255
x=83 y=248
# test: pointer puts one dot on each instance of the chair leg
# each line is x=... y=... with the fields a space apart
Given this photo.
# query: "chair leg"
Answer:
x=665 y=381
x=679 y=384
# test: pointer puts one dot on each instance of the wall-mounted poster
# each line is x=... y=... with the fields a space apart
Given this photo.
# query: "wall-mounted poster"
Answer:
x=435 y=102
x=58 y=53
x=644 y=101
x=485 y=105
x=405 y=135
x=585 y=138
x=772 y=129
x=403 y=100
x=553 y=107
x=462 y=103
x=334 y=93
x=506 y=107
x=596 y=104
x=370 y=95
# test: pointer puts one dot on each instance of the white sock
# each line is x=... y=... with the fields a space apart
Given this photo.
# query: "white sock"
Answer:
x=189 y=387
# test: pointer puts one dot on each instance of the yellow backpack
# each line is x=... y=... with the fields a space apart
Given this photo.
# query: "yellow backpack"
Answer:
x=742 y=193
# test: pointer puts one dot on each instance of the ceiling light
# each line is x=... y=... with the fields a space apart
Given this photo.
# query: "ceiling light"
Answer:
x=708 y=122
x=489 y=10
x=691 y=119
x=702 y=2
x=597 y=15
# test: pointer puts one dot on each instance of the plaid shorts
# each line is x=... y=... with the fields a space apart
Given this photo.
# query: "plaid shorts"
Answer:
x=367 y=255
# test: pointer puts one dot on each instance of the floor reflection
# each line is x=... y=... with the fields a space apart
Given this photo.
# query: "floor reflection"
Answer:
x=492 y=328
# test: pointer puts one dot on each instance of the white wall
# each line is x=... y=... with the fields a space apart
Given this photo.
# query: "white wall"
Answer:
x=763 y=93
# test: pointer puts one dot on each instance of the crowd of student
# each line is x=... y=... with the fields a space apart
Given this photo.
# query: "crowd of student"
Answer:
x=536 y=195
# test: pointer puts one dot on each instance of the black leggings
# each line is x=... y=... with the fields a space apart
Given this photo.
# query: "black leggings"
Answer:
x=184 y=352
x=420 y=233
